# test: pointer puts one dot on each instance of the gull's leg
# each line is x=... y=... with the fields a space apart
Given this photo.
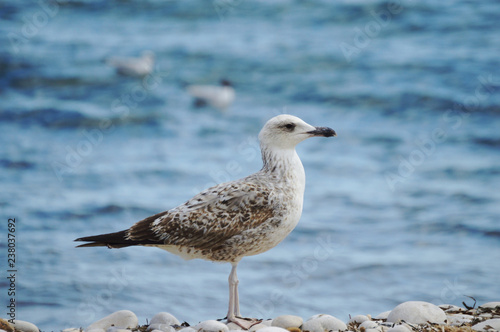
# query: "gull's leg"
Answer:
x=235 y=294
x=233 y=279
x=233 y=314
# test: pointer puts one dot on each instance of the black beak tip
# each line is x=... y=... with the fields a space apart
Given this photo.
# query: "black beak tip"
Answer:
x=323 y=131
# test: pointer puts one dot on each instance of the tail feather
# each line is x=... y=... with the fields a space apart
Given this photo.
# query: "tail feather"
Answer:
x=110 y=240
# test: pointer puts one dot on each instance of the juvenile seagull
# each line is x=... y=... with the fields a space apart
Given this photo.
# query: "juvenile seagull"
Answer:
x=234 y=219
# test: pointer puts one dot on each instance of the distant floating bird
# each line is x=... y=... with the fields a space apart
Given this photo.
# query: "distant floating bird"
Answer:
x=218 y=96
x=235 y=219
x=137 y=67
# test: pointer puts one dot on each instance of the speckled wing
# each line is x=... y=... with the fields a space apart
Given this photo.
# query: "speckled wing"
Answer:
x=209 y=219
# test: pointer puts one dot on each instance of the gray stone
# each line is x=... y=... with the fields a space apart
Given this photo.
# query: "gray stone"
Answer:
x=417 y=312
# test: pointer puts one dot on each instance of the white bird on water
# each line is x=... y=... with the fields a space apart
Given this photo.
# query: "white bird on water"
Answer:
x=138 y=67
x=235 y=219
x=217 y=96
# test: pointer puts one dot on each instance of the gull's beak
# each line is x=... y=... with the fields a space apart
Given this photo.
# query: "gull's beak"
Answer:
x=323 y=131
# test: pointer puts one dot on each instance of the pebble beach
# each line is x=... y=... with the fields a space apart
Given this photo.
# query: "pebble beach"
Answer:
x=406 y=317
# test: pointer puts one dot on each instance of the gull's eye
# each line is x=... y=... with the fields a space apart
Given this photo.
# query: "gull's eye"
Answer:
x=289 y=126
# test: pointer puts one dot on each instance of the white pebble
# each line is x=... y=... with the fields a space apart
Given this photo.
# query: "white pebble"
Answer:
x=323 y=323
x=494 y=323
x=368 y=324
x=24 y=326
x=417 y=312
x=490 y=305
x=383 y=315
x=116 y=329
x=71 y=329
x=211 y=326
x=399 y=328
x=187 y=329
x=124 y=319
x=273 y=329
x=164 y=318
x=286 y=321
x=458 y=319
x=358 y=319
x=160 y=327
x=95 y=330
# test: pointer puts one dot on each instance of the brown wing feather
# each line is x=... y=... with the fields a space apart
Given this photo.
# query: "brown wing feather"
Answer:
x=208 y=219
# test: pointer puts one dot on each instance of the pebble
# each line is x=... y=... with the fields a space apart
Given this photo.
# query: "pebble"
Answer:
x=211 y=326
x=383 y=315
x=458 y=319
x=23 y=326
x=116 y=329
x=71 y=329
x=160 y=327
x=368 y=324
x=187 y=329
x=273 y=329
x=358 y=319
x=124 y=319
x=323 y=323
x=417 y=312
x=399 y=328
x=490 y=305
x=164 y=318
x=494 y=323
x=287 y=321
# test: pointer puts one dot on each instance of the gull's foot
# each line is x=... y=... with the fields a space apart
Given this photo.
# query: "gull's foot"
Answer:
x=244 y=323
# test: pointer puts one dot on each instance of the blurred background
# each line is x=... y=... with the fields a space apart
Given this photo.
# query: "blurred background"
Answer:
x=403 y=205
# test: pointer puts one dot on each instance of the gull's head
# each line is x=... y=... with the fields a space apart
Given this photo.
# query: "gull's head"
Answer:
x=286 y=131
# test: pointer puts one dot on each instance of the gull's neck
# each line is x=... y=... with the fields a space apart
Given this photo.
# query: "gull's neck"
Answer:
x=284 y=164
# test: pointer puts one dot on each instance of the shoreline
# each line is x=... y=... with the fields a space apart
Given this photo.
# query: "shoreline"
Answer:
x=405 y=317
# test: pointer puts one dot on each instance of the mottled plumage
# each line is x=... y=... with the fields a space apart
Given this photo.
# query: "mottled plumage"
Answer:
x=234 y=219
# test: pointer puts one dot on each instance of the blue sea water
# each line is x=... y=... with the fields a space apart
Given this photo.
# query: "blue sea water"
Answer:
x=403 y=205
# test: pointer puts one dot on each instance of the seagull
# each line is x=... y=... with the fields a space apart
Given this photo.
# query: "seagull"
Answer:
x=137 y=67
x=217 y=96
x=235 y=219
